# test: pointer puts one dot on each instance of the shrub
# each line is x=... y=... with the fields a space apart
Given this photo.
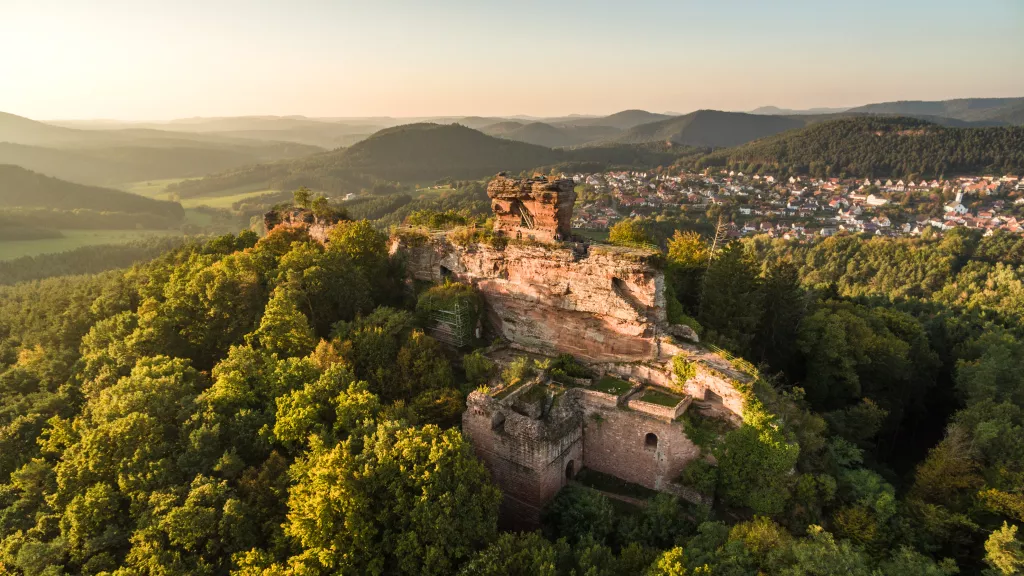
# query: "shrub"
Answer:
x=478 y=368
x=684 y=369
x=630 y=232
x=517 y=371
x=565 y=367
x=700 y=475
x=577 y=512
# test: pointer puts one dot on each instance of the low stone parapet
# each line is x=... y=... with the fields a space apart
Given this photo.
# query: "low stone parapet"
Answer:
x=659 y=411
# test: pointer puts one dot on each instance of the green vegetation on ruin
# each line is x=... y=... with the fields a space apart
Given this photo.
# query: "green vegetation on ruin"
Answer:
x=660 y=398
x=612 y=385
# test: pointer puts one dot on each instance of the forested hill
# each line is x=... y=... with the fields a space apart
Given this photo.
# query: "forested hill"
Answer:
x=1001 y=110
x=880 y=146
x=421 y=153
x=434 y=151
x=548 y=135
x=710 y=128
x=21 y=188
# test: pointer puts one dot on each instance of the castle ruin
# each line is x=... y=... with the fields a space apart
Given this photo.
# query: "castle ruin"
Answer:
x=546 y=295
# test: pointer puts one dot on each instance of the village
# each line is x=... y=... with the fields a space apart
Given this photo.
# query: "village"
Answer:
x=803 y=207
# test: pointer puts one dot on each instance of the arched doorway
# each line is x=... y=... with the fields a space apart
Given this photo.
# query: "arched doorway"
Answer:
x=651 y=441
x=570 y=469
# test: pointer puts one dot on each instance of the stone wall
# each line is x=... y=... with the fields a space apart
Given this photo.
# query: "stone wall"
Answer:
x=528 y=458
x=531 y=458
x=615 y=442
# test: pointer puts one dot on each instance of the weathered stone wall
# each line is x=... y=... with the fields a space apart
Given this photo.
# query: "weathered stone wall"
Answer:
x=614 y=442
x=607 y=304
x=535 y=208
x=526 y=457
x=532 y=458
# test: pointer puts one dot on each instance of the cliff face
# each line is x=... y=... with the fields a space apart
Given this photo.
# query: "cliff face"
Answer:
x=534 y=209
x=602 y=304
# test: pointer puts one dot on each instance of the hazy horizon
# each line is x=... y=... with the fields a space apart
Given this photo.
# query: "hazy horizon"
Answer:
x=155 y=60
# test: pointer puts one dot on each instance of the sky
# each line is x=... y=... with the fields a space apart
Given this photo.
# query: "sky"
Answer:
x=164 y=59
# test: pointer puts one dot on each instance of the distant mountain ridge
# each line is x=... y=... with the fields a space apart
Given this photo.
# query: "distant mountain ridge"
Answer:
x=1005 y=110
x=978 y=111
x=421 y=153
x=711 y=128
x=548 y=135
x=776 y=111
x=116 y=156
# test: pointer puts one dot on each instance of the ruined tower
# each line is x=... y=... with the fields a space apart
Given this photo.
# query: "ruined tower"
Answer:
x=532 y=208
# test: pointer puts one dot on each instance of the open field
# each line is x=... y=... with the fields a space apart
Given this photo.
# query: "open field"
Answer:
x=157 y=189
x=151 y=188
x=221 y=201
x=75 y=239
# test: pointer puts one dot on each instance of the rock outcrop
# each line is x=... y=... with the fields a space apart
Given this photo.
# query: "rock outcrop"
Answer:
x=534 y=208
x=600 y=303
x=300 y=217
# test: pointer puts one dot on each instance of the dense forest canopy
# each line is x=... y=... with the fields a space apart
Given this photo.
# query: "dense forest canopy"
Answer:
x=274 y=406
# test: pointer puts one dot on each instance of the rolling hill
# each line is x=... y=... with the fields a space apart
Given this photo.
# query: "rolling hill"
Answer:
x=622 y=120
x=419 y=153
x=21 y=188
x=880 y=146
x=1008 y=111
x=111 y=157
x=548 y=135
x=710 y=128
x=431 y=151
x=113 y=165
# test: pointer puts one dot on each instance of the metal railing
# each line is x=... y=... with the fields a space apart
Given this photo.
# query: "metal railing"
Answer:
x=738 y=363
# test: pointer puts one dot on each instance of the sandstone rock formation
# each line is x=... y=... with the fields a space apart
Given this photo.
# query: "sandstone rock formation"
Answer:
x=300 y=217
x=602 y=303
x=535 y=208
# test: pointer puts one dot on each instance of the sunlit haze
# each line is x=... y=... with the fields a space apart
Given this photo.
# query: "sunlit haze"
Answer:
x=162 y=59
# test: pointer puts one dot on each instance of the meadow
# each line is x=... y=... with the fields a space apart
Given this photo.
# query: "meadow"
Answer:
x=75 y=239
